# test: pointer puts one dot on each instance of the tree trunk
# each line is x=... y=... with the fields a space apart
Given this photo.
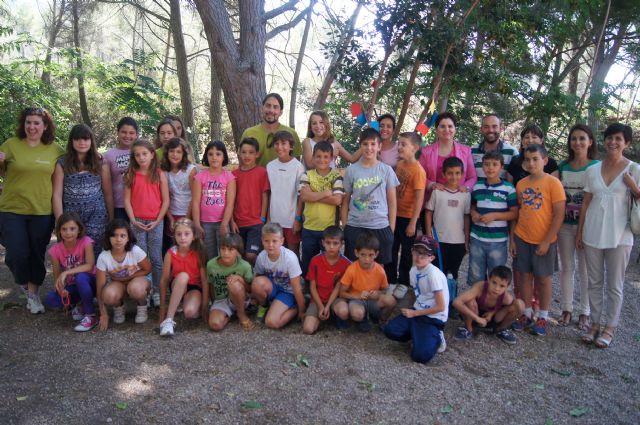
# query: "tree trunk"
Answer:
x=166 y=59
x=84 y=109
x=337 y=58
x=240 y=67
x=183 y=71
x=215 y=107
x=56 y=24
x=407 y=96
x=296 y=75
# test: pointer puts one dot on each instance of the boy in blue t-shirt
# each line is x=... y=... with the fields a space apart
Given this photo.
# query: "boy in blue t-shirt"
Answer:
x=493 y=204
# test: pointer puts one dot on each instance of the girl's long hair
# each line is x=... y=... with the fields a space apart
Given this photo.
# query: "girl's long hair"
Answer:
x=153 y=176
x=92 y=162
x=162 y=123
x=172 y=144
x=66 y=217
x=196 y=244
x=328 y=136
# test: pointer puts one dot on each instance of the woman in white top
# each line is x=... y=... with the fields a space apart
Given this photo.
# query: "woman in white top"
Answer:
x=603 y=230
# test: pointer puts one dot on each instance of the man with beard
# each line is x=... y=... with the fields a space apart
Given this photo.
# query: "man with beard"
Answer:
x=491 y=128
x=272 y=106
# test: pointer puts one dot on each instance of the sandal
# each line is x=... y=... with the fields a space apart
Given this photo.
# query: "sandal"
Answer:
x=604 y=342
x=583 y=322
x=565 y=318
x=590 y=336
x=247 y=325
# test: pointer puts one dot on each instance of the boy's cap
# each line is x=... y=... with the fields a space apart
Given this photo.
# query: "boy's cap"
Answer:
x=426 y=243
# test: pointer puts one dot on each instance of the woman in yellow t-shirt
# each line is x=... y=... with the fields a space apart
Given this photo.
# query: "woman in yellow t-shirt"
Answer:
x=26 y=221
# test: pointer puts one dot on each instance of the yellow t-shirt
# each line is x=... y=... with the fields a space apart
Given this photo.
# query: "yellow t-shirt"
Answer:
x=536 y=199
x=264 y=138
x=27 y=181
x=318 y=215
x=360 y=280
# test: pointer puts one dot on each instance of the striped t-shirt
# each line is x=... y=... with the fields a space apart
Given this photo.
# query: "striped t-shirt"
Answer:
x=507 y=151
x=573 y=181
x=487 y=198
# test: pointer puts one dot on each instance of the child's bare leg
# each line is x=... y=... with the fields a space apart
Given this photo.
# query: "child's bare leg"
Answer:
x=279 y=314
x=357 y=312
x=526 y=288
x=386 y=303
x=341 y=309
x=310 y=325
x=138 y=289
x=113 y=293
x=468 y=320
x=251 y=258
x=260 y=289
x=218 y=319
x=507 y=314
x=178 y=288
x=544 y=292
x=191 y=304
x=238 y=294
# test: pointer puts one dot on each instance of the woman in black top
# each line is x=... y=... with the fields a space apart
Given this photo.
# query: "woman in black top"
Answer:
x=530 y=135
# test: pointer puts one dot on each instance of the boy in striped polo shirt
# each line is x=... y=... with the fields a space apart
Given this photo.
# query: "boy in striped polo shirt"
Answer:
x=493 y=204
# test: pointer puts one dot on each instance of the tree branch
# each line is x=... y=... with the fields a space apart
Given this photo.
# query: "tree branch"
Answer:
x=291 y=5
x=290 y=24
x=137 y=6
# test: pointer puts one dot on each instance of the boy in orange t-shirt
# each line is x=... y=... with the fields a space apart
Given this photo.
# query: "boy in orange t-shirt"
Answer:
x=410 y=195
x=542 y=202
x=361 y=287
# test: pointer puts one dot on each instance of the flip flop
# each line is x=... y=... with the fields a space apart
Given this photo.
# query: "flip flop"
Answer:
x=603 y=342
x=583 y=322
x=565 y=319
x=590 y=336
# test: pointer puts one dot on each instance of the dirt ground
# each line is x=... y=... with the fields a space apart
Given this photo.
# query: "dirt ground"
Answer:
x=50 y=374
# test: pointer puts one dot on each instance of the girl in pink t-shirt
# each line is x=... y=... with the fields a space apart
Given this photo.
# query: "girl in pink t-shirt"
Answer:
x=74 y=274
x=146 y=200
x=213 y=194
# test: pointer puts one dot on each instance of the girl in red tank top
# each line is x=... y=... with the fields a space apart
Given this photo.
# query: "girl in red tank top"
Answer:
x=184 y=266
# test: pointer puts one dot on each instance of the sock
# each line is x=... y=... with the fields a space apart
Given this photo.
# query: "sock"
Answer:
x=528 y=312
x=544 y=314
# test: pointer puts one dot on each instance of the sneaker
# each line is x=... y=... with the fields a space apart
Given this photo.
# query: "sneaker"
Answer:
x=506 y=336
x=141 y=314
x=262 y=312
x=463 y=334
x=88 y=322
x=522 y=323
x=342 y=324
x=443 y=343
x=118 y=315
x=363 y=325
x=155 y=299
x=166 y=327
x=34 y=305
x=77 y=313
x=540 y=327
x=400 y=291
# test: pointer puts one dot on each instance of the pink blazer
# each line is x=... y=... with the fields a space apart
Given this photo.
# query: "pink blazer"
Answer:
x=429 y=161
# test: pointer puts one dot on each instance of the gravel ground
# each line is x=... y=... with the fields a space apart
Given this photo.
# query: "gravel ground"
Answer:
x=129 y=375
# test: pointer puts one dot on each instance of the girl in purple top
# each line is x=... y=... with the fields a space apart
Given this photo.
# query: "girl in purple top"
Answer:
x=118 y=160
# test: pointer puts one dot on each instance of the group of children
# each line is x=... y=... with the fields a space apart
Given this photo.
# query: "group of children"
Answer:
x=234 y=247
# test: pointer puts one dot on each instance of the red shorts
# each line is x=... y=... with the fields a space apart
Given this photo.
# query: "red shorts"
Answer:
x=290 y=238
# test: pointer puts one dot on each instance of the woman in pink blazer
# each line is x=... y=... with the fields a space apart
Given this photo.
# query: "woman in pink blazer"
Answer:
x=445 y=146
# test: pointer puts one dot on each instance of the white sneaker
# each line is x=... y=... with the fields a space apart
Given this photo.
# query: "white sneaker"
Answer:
x=87 y=323
x=118 y=315
x=443 y=343
x=166 y=327
x=77 y=313
x=34 y=305
x=141 y=315
x=392 y=287
x=155 y=298
x=400 y=291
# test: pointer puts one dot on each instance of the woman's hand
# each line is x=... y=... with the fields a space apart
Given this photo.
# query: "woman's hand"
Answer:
x=437 y=186
x=199 y=230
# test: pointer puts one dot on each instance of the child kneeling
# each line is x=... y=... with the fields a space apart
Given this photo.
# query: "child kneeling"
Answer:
x=489 y=304
x=363 y=284
x=424 y=323
x=230 y=277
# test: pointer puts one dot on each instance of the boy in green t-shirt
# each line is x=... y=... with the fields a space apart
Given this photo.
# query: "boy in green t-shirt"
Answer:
x=321 y=190
x=230 y=277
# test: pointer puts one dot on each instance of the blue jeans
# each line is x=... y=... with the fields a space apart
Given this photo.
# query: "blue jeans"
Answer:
x=151 y=243
x=423 y=331
x=83 y=289
x=311 y=245
x=483 y=257
x=25 y=238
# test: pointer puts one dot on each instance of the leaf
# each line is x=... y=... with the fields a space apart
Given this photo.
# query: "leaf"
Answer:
x=446 y=409
x=302 y=360
x=251 y=404
x=561 y=372
x=577 y=412
x=369 y=386
x=539 y=386
x=122 y=405
x=548 y=421
x=22 y=397
x=637 y=338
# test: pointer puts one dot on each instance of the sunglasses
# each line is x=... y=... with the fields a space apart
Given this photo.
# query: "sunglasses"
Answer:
x=33 y=111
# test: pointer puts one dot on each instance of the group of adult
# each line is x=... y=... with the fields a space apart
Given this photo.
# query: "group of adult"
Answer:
x=600 y=232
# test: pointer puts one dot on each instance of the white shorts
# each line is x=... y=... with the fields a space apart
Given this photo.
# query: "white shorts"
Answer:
x=225 y=305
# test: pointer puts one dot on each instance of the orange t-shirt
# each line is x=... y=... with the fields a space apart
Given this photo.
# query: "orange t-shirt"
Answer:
x=536 y=199
x=360 y=280
x=412 y=177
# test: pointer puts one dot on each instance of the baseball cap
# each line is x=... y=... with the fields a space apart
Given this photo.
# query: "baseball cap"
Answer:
x=426 y=243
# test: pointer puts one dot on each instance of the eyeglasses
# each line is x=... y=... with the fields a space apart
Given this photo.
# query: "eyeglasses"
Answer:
x=184 y=221
x=33 y=111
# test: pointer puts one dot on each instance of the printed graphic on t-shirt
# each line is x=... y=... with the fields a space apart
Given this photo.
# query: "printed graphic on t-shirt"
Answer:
x=453 y=203
x=366 y=187
x=574 y=203
x=215 y=193
x=531 y=198
x=123 y=272
x=122 y=162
